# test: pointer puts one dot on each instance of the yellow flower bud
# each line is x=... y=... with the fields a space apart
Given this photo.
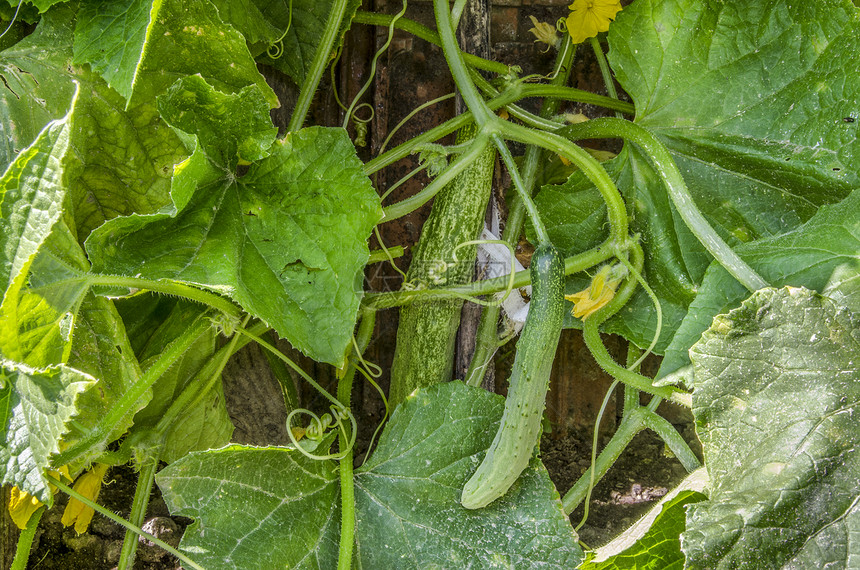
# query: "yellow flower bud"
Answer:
x=89 y=485
x=22 y=505
x=544 y=32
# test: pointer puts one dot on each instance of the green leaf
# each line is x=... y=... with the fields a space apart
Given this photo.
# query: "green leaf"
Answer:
x=775 y=394
x=265 y=507
x=40 y=307
x=660 y=547
x=100 y=348
x=272 y=507
x=203 y=426
x=42 y=5
x=804 y=257
x=36 y=86
x=110 y=36
x=31 y=199
x=750 y=99
x=287 y=241
x=141 y=48
x=408 y=493
x=244 y=132
x=35 y=408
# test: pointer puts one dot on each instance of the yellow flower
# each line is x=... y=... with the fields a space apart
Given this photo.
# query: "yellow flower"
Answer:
x=89 y=485
x=544 y=32
x=588 y=17
x=22 y=505
x=600 y=292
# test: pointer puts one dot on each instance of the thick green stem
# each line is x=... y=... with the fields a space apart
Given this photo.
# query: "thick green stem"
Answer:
x=574 y=264
x=511 y=94
x=629 y=427
x=124 y=405
x=145 y=479
x=347 y=488
x=167 y=287
x=668 y=433
x=318 y=65
x=486 y=339
x=25 y=540
x=667 y=170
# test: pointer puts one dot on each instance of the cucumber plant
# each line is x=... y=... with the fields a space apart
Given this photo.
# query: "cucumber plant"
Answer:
x=149 y=207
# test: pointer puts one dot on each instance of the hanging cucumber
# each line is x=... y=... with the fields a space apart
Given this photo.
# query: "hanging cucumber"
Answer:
x=428 y=330
x=515 y=440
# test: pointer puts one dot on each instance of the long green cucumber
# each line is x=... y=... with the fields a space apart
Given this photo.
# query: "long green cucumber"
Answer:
x=428 y=330
x=520 y=428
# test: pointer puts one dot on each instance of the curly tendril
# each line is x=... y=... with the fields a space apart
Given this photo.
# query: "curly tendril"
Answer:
x=318 y=428
x=276 y=49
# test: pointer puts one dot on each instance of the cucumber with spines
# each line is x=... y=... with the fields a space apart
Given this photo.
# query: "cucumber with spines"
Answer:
x=520 y=428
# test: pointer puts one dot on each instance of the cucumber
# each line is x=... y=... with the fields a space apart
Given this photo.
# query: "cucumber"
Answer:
x=427 y=330
x=520 y=428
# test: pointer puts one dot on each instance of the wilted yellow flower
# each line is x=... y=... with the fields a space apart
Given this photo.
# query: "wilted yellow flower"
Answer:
x=89 y=485
x=588 y=17
x=22 y=505
x=544 y=32
x=600 y=292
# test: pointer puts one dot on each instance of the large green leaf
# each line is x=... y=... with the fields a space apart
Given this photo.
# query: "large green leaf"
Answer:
x=775 y=397
x=804 y=257
x=287 y=241
x=36 y=86
x=35 y=408
x=756 y=102
x=272 y=507
x=408 y=493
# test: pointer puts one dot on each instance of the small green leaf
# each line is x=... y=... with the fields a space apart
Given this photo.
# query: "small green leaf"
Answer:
x=35 y=408
x=775 y=397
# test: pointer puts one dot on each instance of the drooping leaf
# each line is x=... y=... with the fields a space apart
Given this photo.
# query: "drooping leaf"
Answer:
x=660 y=547
x=39 y=309
x=751 y=101
x=775 y=399
x=804 y=257
x=35 y=408
x=205 y=425
x=100 y=348
x=36 y=87
x=287 y=241
x=272 y=507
